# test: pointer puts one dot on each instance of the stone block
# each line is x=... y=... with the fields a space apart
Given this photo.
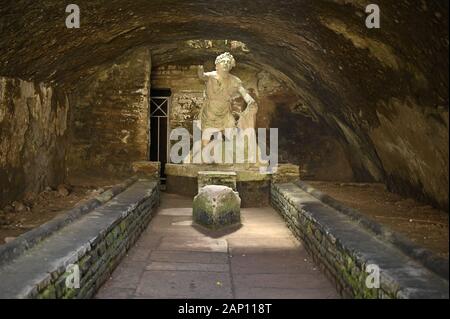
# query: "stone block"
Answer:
x=216 y=206
x=286 y=173
x=217 y=178
x=147 y=168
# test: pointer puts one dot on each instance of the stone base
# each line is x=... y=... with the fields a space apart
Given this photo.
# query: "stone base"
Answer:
x=217 y=178
x=147 y=169
x=286 y=173
x=253 y=187
x=182 y=185
x=217 y=206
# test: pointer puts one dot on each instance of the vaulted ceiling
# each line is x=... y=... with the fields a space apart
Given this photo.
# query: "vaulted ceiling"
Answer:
x=384 y=91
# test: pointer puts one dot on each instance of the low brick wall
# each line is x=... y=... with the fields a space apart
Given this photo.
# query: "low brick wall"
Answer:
x=96 y=243
x=343 y=250
x=28 y=240
x=428 y=258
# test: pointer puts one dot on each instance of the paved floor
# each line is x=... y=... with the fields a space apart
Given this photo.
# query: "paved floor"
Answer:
x=175 y=259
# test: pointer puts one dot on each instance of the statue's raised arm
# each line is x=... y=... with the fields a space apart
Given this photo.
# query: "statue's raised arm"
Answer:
x=202 y=74
x=200 y=71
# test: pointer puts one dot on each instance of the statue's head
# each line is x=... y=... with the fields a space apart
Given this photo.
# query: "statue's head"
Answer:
x=225 y=62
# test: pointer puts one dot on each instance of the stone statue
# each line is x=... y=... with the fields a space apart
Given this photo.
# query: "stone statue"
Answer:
x=217 y=118
x=221 y=87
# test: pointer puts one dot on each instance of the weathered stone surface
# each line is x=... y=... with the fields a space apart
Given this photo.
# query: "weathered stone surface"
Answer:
x=286 y=173
x=147 y=168
x=33 y=137
x=217 y=178
x=380 y=94
x=201 y=266
x=436 y=263
x=63 y=190
x=19 y=206
x=96 y=243
x=28 y=240
x=110 y=116
x=242 y=171
x=343 y=250
x=216 y=206
x=253 y=187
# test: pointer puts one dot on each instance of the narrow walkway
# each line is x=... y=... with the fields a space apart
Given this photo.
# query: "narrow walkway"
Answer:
x=175 y=259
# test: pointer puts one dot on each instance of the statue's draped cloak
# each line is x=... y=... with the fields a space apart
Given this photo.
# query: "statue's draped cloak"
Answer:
x=217 y=111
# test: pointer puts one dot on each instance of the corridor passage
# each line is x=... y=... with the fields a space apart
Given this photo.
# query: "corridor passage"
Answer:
x=176 y=259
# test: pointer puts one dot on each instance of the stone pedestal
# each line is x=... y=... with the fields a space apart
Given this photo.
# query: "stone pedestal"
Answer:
x=217 y=206
x=286 y=173
x=217 y=178
x=147 y=169
x=253 y=186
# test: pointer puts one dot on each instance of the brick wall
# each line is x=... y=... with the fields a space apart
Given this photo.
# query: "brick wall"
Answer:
x=110 y=116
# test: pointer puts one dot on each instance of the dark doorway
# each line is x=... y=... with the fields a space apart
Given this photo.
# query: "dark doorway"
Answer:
x=159 y=125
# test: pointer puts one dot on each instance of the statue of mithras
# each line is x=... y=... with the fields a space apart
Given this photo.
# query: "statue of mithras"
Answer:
x=221 y=87
x=216 y=116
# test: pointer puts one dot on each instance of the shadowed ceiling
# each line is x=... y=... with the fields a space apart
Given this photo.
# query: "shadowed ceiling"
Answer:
x=383 y=91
